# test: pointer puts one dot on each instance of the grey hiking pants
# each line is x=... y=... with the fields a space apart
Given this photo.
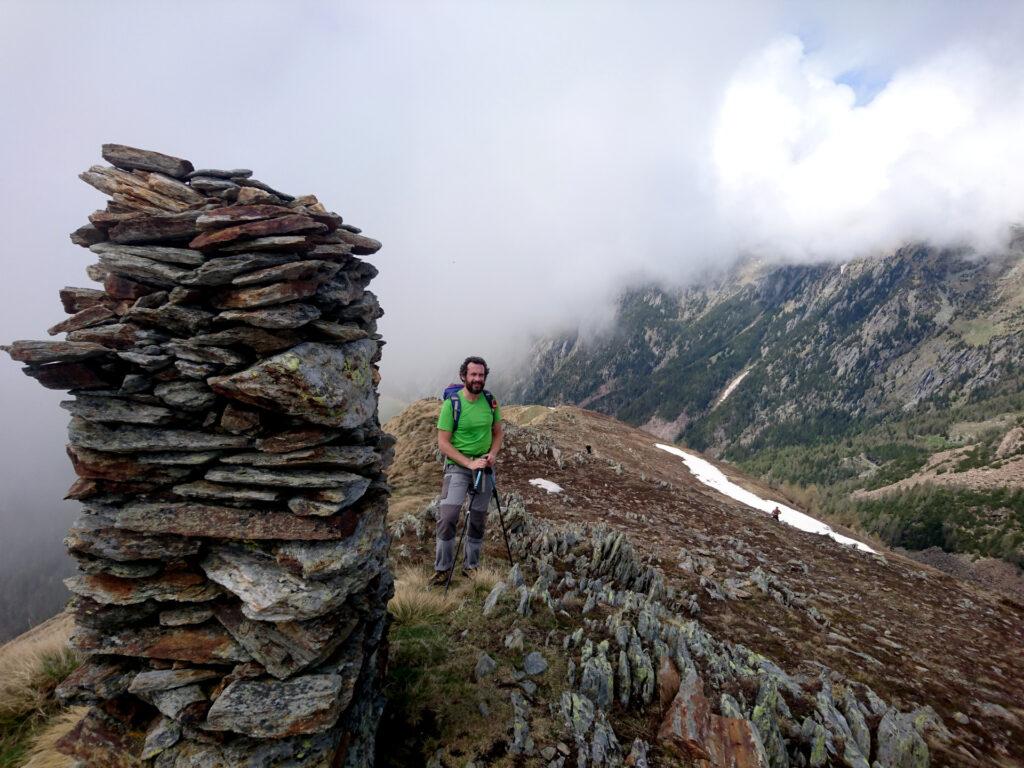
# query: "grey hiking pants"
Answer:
x=457 y=483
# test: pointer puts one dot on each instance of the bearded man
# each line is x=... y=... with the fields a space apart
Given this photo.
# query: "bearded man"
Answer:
x=469 y=435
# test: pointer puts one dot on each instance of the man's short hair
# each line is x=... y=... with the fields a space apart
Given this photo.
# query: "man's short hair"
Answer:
x=464 y=368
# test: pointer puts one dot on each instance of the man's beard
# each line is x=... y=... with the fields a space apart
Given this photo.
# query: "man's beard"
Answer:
x=475 y=387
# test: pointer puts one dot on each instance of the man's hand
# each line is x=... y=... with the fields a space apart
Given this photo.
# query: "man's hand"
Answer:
x=476 y=464
x=491 y=459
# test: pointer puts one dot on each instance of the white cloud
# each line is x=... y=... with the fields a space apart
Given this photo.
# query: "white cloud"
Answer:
x=802 y=171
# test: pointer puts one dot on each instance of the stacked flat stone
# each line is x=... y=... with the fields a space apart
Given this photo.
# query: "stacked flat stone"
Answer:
x=232 y=586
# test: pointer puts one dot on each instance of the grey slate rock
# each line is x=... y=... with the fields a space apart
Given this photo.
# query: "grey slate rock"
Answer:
x=491 y=603
x=186 y=395
x=485 y=667
x=522 y=741
x=275 y=708
x=899 y=743
x=270 y=592
x=131 y=159
x=534 y=664
x=323 y=384
x=284 y=316
x=112 y=409
x=285 y=478
x=128 y=439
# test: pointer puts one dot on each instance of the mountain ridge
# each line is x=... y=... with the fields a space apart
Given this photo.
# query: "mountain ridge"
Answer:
x=842 y=377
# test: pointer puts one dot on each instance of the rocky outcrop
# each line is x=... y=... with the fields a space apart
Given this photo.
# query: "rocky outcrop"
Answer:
x=639 y=650
x=231 y=599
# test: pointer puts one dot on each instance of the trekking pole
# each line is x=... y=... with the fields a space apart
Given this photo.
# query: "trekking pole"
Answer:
x=501 y=517
x=472 y=493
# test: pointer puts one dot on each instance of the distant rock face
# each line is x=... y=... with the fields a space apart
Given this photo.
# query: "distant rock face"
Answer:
x=233 y=587
x=799 y=343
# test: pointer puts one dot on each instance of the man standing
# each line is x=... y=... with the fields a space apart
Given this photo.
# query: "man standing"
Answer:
x=469 y=434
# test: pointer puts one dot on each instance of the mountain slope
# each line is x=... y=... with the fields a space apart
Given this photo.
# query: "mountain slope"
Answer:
x=844 y=376
x=915 y=636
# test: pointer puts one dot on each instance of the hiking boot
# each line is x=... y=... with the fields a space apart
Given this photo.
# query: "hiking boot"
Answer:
x=469 y=573
x=439 y=579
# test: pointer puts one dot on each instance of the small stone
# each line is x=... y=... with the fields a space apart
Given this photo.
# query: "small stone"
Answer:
x=288 y=478
x=283 y=316
x=87 y=317
x=166 y=679
x=237 y=173
x=223 y=269
x=203 y=489
x=190 y=614
x=203 y=644
x=899 y=743
x=330 y=501
x=274 y=243
x=162 y=735
x=211 y=185
x=485 y=667
x=342 y=332
x=39 y=352
x=186 y=395
x=231 y=215
x=282 y=225
x=343 y=456
x=179 y=586
x=183 y=458
x=114 y=409
x=270 y=709
x=156 y=228
x=180 y=256
x=130 y=159
x=127 y=439
x=514 y=640
x=321 y=271
x=238 y=420
x=361 y=245
x=295 y=439
x=491 y=603
x=266 y=295
x=535 y=664
x=522 y=741
x=253 y=196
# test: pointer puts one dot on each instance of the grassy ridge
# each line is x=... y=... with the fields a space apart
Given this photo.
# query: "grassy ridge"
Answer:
x=30 y=669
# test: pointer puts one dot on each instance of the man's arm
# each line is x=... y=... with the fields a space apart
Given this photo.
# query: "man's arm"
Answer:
x=444 y=444
x=497 y=437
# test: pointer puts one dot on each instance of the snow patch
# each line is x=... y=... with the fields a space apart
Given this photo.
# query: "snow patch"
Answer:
x=547 y=485
x=712 y=476
x=732 y=385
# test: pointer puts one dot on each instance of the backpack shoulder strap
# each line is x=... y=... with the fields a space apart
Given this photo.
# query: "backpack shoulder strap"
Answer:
x=490 y=401
x=456 y=402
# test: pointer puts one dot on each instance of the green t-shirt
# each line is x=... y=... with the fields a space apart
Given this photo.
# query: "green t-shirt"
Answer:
x=473 y=437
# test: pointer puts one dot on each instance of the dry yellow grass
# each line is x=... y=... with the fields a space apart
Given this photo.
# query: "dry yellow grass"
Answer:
x=43 y=752
x=23 y=662
x=416 y=601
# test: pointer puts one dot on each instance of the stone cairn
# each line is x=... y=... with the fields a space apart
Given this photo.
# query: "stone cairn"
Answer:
x=232 y=587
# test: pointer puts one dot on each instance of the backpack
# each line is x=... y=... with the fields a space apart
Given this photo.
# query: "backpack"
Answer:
x=451 y=392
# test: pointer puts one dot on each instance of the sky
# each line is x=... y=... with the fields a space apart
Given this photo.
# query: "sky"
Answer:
x=521 y=162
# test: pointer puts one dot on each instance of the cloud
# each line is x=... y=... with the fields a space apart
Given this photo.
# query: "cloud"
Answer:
x=519 y=161
x=804 y=171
